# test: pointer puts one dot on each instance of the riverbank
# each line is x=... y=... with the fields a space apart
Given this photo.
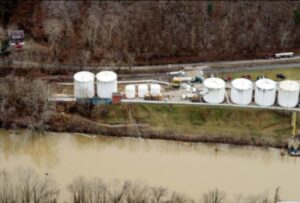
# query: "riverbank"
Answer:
x=178 y=123
x=24 y=104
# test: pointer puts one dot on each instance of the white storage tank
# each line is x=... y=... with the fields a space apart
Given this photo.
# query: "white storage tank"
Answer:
x=84 y=84
x=130 y=91
x=142 y=90
x=241 y=91
x=215 y=90
x=155 y=89
x=265 y=92
x=288 y=93
x=106 y=84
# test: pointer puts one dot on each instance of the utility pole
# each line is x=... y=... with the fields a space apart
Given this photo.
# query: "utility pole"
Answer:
x=294 y=123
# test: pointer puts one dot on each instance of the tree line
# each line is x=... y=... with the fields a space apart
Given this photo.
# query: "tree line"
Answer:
x=28 y=186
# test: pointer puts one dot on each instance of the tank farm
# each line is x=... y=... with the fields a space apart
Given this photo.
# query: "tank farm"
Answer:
x=105 y=88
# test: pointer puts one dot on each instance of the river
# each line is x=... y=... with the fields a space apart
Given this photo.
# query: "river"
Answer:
x=184 y=167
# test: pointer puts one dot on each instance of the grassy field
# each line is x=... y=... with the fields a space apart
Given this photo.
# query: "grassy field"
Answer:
x=290 y=73
x=200 y=120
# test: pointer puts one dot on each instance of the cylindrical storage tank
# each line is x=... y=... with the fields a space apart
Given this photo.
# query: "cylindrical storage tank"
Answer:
x=130 y=91
x=241 y=91
x=155 y=89
x=106 y=84
x=188 y=88
x=288 y=93
x=215 y=90
x=84 y=84
x=142 y=90
x=265 y=92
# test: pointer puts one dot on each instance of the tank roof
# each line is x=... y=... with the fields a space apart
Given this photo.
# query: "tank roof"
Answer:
x=289 y=85
x=155 y=86
x=84 y=76
x=242 y=84
x=143 y=86
x=266 y=84
x=106 y=76
x=130 y=87
x=214 y=83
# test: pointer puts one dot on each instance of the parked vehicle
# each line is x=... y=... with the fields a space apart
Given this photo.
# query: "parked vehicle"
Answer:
x=284 y=55
x=280 y=55
x=177 y=73
x=261 y=77
x=280 y=75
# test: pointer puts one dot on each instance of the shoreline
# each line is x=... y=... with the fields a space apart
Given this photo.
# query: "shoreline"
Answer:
x=238 y=127
x=86 y=126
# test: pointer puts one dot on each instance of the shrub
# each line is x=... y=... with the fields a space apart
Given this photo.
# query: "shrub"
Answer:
x=23 y=100
x=209 y=8
x=297 y=17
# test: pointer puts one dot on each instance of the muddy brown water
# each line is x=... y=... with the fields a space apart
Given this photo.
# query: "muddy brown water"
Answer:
x=188 y=168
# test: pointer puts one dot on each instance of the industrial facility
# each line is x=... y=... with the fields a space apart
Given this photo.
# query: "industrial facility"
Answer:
x=183 y=89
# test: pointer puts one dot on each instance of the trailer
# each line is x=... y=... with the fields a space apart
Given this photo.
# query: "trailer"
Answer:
x=284 y=55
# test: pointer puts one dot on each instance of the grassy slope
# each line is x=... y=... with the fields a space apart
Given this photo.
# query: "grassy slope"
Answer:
x=195 y=121
x=290 y=73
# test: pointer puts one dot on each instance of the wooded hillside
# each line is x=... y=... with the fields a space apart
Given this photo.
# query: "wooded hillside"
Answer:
x=136 y=32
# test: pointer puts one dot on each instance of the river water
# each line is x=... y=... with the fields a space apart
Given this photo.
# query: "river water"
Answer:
x=188 y=168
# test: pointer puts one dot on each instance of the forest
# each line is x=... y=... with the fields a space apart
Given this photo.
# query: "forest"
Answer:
x=151 y=32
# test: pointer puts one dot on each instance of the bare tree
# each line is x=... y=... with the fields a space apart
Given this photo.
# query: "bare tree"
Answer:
x=54 y=28
x=36 y=189
x=158 y=193
x=277 y=196
x=26 y=99
x=214 y=196
x=180 y=198
x=138 y=193
x=7 y=190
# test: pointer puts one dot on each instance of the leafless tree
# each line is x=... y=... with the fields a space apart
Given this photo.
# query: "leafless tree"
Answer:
x=22 y=98
x=159 y=193
x=276 y=196
x=214 y=196
x=53 y=29
x=7 y=190
x=33 y=188
x=180 y=198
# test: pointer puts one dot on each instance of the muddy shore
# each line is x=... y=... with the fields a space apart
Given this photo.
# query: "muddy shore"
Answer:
x=75 y=124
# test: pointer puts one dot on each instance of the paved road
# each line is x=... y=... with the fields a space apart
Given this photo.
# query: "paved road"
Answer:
x=210 y=105
x=251 y=68
x=222 y=65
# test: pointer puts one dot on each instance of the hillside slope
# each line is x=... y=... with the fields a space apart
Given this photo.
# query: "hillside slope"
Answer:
x=139 y=32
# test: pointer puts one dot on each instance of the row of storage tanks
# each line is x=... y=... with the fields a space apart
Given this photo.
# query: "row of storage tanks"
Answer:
x=142 y=90
x=84 y=84
x=107 y=85
x=242 y=92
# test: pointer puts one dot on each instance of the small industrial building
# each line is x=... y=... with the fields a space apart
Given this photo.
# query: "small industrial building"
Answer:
x=17 y=37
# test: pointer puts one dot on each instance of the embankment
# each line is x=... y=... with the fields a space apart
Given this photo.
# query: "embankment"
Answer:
x=180 y=123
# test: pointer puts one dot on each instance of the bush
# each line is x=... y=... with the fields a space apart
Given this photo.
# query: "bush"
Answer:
x=24 y=101
x=297 y=17
x=209 y=8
